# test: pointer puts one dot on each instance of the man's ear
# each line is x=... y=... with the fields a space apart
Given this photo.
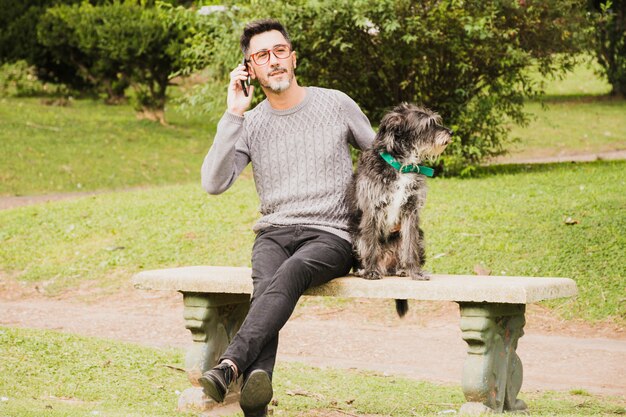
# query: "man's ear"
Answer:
x=250 y=69
x=294 y=59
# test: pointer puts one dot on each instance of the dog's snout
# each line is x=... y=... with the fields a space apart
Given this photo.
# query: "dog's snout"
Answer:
x=450 y=132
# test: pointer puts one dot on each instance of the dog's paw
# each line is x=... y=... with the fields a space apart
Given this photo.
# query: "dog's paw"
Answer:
x=402 y=273
x=419 y=276
x=358 y=272
x=371 y=275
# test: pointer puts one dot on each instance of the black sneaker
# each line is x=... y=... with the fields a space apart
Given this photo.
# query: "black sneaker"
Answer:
x=215 y=382
x=256 y=394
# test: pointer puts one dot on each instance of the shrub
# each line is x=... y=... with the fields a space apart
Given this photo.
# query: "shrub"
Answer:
x=18 y=40
x=120 y=44
x=466 y=59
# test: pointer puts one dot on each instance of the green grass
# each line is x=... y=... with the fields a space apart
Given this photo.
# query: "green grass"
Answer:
x=54 y=374
x=582 y=81
x=104 y=236
x=566 y=127
x=575 y=116
x=511 y=219
x=92 y=146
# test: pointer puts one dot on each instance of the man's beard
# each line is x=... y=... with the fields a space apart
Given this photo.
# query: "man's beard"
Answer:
x=278 y=86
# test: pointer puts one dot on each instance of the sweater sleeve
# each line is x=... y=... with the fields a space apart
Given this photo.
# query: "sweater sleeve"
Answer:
x=227 y=157
x=359 y=124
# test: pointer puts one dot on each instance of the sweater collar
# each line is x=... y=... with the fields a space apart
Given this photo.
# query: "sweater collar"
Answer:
x=291 y=110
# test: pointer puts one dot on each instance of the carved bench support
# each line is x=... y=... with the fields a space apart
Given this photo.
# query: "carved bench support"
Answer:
x=492 y=374
x=213 y=320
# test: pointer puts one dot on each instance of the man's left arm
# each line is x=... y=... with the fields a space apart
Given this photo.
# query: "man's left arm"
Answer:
x=362 y=134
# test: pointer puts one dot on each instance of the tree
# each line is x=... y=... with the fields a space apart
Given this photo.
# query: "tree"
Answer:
x=610 y=42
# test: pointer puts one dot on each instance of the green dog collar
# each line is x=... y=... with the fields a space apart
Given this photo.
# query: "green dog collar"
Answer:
x=418 y=169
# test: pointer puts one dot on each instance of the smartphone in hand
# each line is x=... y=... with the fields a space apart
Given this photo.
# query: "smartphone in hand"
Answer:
x=246 y=83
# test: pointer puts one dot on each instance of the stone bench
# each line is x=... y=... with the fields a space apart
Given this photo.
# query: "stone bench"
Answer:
x=216 y=301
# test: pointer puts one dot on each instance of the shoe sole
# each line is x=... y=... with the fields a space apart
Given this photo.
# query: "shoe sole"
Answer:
x=257 y=391
x=210 y=389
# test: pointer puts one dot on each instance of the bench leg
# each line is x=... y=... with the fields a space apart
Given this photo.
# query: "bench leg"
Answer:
x=492 y=375
x=213 y=320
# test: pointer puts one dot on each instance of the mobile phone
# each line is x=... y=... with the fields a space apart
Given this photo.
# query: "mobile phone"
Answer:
x=245 y=84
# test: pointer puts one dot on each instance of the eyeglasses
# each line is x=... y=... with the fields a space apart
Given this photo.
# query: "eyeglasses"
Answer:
x=263 y=56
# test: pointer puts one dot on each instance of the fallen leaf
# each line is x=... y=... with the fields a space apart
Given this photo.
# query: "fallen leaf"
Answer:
x=304 y=394
x=569 y=221
x=176 y=368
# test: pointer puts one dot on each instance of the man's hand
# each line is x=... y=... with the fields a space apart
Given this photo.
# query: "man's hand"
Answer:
x=236 y=101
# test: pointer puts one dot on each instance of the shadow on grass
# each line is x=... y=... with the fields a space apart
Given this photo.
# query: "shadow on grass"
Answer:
x=579 y=98
x=527 y=168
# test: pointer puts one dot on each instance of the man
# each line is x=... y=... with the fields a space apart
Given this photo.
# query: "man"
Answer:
x=297 y=140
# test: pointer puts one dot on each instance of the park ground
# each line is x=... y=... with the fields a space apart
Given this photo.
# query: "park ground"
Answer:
x=80 y=300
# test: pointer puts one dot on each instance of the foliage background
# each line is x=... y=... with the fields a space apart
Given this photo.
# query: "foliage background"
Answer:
x=467 y=60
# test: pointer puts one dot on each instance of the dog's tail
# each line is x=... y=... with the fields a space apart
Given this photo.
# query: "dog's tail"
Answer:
x=402 y=307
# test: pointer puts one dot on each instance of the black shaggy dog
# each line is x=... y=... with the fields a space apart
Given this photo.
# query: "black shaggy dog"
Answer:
x=388 y=191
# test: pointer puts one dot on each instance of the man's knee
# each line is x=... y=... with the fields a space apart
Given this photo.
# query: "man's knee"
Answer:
x=294 y=270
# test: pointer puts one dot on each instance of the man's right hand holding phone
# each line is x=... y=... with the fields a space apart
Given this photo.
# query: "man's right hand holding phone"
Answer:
x=237 y=102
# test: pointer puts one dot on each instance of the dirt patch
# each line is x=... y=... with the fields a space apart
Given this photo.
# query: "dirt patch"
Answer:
x=337 y=413
x=10 y=202
x=539 y=319
x=360 y=334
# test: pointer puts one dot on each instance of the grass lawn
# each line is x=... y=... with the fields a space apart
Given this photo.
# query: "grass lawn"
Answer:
x=511 y=220
x=582 y=81
x=54 y=374
x=574 y=117
x=568 y=127
x=92 y=146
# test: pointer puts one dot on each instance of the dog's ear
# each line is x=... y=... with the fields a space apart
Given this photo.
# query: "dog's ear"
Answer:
x=391 y=119
x=390 y=126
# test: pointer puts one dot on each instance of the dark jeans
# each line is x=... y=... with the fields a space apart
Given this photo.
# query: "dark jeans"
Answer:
x=286 y=261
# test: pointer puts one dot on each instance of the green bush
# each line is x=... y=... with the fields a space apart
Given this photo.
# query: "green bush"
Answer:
x=610 y=46
x=18 y=41
x=120 y=44
x=19 y=79
x=468 y=60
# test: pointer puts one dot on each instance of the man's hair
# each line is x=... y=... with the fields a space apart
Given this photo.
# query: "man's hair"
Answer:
x=257 y=27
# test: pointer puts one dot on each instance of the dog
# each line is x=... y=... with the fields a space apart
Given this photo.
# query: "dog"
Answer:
x=388 y=191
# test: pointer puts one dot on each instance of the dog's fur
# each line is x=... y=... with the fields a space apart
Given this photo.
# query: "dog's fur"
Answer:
x=386 y=204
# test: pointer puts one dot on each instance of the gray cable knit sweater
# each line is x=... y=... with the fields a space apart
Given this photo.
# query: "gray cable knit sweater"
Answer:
x=300 y=158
